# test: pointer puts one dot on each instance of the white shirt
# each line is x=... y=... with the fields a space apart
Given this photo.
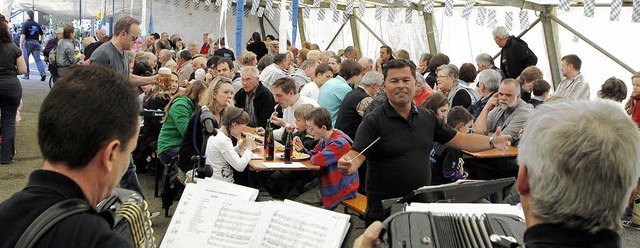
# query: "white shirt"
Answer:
x=310 y=90
x=221 y=156
x=270 y=74
x=287 y=114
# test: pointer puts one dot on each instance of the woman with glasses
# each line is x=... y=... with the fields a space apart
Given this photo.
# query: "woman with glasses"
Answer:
x=11 y=65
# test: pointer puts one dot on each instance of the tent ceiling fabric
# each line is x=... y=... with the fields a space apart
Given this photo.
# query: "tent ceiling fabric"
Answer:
x=70 y=8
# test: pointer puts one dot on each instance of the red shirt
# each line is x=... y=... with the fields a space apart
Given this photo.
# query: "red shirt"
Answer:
x=419 y=98
x=205 y=49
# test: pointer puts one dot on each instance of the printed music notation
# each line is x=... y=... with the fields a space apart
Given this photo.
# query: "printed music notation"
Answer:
x=207 y=218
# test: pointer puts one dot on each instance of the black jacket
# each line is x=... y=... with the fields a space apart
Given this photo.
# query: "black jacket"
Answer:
x=263 y=103
x=516 y=56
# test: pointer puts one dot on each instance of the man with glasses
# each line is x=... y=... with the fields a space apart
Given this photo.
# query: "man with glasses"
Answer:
x=112 y=55
x=254 y=97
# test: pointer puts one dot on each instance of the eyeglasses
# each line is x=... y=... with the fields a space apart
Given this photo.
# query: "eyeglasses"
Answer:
x=133 y=38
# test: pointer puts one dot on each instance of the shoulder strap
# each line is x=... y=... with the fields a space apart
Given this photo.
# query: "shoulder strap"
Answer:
x=49 y=218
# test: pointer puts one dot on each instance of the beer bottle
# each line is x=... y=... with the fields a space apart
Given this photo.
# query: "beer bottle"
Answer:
x=288 y=148
x=269 y=143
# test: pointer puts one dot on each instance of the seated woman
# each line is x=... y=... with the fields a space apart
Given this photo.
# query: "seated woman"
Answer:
x=177 y=115
x=222 y=156
x=219 y=95
x=152 y=99
x=333 y=144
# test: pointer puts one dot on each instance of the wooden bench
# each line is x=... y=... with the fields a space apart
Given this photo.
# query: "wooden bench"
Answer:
x=357 y=205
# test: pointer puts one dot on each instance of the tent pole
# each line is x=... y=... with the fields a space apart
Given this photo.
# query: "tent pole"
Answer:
x=335 y=36
x=593 y=44
x=303 y=36
x=262 y=31
x=355 y=33
x=551 y=39
x=431 y=37
x=273 y=27
x=371 y=31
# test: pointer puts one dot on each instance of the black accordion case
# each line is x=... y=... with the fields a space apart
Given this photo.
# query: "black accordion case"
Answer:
x=429 y=229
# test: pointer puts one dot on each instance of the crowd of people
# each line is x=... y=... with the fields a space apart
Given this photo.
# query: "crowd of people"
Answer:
x=380 y=127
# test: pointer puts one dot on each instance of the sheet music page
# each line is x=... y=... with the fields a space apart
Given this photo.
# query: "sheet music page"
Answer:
x=226 y=189
x=296 y=226
x=467 y=208
x=204 y=219
x=342 y=226
x=282 y=165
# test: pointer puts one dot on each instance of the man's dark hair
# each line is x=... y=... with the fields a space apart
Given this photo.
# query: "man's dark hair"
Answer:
x=124 y=24
x=320 y=117
x=437 y=60
x=30 y=14
x=398 y=64
x=66 y=32
x=540 y=87
x=271 y=37
x=163 y=44
x=349 y=68
x=322 y=68
x=225 y=60
x=104 y=107
x=213 y=61
x=156 y=36
x=286 y=84
x=573 y=60
x=614 y=89
x=387 y=49
x=142 y=69
x=458 y=115
x=279 y=58
x=185 y=54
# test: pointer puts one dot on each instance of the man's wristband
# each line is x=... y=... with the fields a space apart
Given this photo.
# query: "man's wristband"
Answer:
x=493 y=146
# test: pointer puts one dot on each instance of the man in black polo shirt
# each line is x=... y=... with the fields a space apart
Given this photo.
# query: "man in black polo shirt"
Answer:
x=399 y=163
x=30 y=44
x=85 y=155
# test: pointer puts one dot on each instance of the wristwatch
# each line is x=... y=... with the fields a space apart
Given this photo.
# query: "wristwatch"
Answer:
x=493 y=146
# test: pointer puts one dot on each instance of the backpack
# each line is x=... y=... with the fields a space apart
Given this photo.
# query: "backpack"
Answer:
x=52 y=56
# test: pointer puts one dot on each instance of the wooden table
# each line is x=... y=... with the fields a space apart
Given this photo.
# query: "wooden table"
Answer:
x=493 y=153
x=258 y=165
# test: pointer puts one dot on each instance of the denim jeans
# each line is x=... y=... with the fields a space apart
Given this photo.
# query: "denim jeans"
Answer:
x=130 y=179
x=9 y=102
x=33 y=47
x=166 y=156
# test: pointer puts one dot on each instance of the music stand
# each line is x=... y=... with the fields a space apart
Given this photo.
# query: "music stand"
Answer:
x=467 y=192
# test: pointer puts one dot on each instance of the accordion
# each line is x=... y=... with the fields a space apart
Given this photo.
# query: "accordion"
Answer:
x=428 y=229
x=131 y=217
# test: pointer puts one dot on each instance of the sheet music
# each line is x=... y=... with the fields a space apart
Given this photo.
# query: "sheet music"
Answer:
x=467 y=208
x=206 y=218
x=282 y=165
x=299 y=225
x=226 y=189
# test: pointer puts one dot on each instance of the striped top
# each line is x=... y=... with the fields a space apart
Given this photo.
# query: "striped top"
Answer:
x=335 y=186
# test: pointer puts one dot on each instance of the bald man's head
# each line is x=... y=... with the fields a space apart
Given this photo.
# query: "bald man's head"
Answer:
x=153 y=60
x=199 y=63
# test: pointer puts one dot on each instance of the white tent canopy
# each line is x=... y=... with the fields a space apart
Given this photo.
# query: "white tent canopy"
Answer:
x=462 y=39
